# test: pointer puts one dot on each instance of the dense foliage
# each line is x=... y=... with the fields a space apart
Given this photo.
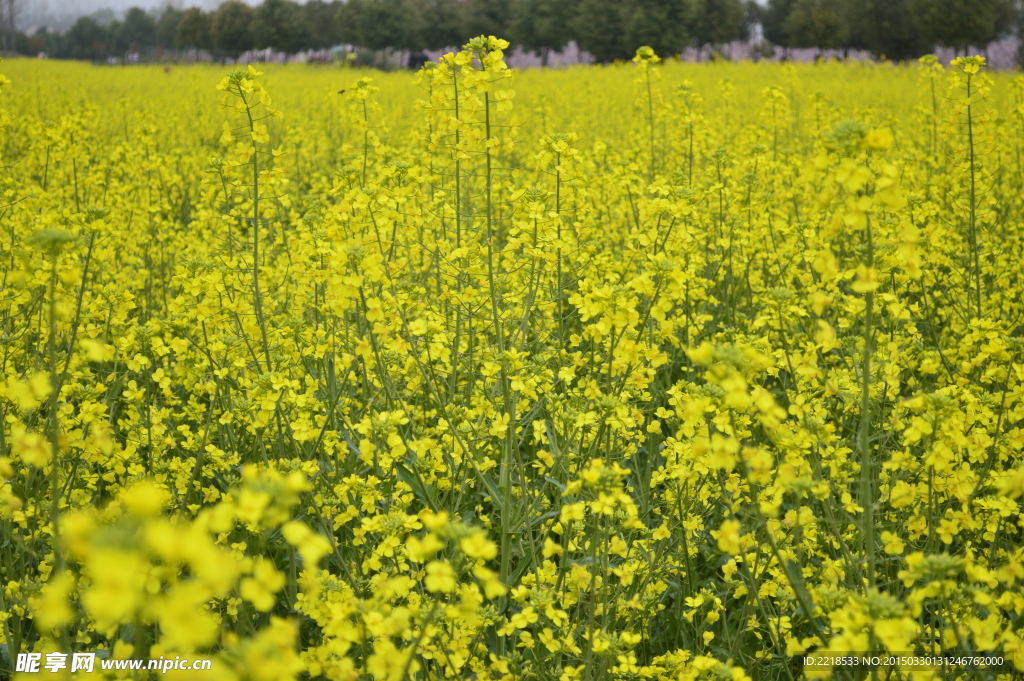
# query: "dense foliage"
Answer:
x=606 y=29
x=645 y=372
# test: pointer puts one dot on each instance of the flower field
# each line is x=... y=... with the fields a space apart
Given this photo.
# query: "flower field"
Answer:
x=649 y=371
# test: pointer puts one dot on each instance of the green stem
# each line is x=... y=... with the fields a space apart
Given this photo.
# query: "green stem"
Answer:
x=973 y=224
x=650 y=116
x=51 y=422
x=257 y=295
x=864 y=430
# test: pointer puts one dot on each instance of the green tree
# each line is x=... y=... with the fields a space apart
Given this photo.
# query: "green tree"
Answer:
x=167 y=27
x=598 y=30
x=86 y=39
x=43 y=41
x=773 y=21
x=320 y=18
x=138 y=30
x=886 y=27
x=280 y=24
x=486 y=17
x=540 y=26
x=960 y=24
x=1018 y=29
x=612 y=30
x=231 y=28
x=715 y=22
x=753 y=18
x=439 y=23
x=194 y=30
x=9 y=11
x=661 y=24
x=348 y=21
x=1008 y=15
x=387 y=24
x=816 y=23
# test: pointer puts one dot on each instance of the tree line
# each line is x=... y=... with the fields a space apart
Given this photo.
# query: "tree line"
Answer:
x=896 y=29
x=607 y=29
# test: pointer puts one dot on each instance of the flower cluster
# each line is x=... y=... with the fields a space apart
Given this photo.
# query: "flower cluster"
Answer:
x=630 y=373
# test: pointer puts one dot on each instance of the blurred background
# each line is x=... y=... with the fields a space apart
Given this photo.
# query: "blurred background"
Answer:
x=405 y=33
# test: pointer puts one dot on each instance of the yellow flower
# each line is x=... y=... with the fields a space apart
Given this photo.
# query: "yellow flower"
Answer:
x=440 y=577
x=892 y=543
x=261 y=587
x=477 y=545
x=728 y=537
x=52 y=609
x=421 y=550
x=185 y=623
x=878 y=139
x=552 y=548
x=867 y=280
x=896 y=634
x=702 y=355
x=116 y=589
x=503 y=99
x=32 y=448
x=646 y=55
x=31 y=393
x=311 y=545
x=145 y=499
x=259 y=133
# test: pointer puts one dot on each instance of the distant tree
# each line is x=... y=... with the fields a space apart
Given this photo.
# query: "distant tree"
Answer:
x=280 y=24
x=167 y=27
x=773 y=21
x=1018 y=29
x=439 y=24
x=753 y=19
x=661 y=24
x=113 y=38
x=612 y=30
x=819 y=24
x=1008 y=16
x=86 y=39
x=854 y=13
x=540 y=26
x=886 y=27
x=485 y=17
x=348 y=21
x=9 y=11
x=382 y=24
x=138 y=30
x=960 y=24
x=231 y=28
x=597 y=27
x=194 y=30
x=716 y=22
x=320 y=20
x=43 y=41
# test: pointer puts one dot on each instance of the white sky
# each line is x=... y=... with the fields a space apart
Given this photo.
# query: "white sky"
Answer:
x=80 y=7
x=62 y=13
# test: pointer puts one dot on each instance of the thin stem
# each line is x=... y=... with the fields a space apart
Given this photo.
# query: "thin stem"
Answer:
x=650 y=116
x=51 y=422
x=864 y=430
x=257 y=295
x=973 y=222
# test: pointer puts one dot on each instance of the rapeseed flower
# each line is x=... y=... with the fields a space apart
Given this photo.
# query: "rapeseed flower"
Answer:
x=566 y=380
